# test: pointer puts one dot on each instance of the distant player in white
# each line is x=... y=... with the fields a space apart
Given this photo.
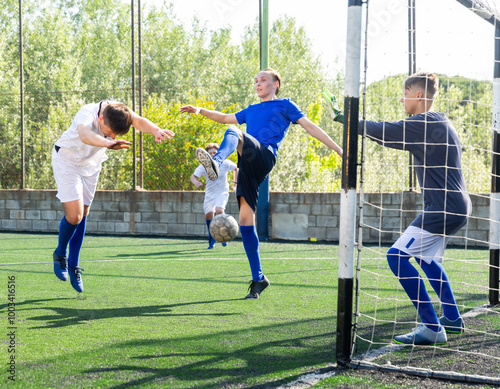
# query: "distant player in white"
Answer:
x=216 y=192
x=76 y=160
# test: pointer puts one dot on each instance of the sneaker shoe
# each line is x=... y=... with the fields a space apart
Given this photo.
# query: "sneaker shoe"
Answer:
x=423 y=335
x=75 y=276
x=452 y=326
x=208 y=163
x=256 y=288
x=224 y=244
x=60 y=266
x=335 y=111
x=211 y=244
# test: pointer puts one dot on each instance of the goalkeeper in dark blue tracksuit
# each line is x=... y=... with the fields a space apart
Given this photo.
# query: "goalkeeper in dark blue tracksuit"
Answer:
x=430 y=137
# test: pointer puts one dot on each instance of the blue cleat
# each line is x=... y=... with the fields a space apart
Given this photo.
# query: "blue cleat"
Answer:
x=423 y=335
x=75 y=276
x=60 y=266
x=224 y=244
x=452 y=326
x=211 y=243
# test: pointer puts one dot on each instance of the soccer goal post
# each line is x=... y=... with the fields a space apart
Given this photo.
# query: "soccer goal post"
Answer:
x=379 y=200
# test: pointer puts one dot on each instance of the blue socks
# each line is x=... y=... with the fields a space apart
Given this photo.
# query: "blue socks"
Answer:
x=228 y=145
x=441 y=285
x=75 y=244
x=72 y=235
x=414 y=286
x=211 y=241
x=66 y=231
x=251 y=245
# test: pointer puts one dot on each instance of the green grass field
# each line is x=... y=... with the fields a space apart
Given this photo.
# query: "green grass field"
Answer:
x=166 y=313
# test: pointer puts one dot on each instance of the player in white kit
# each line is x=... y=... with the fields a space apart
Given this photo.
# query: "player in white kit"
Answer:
x=76 y=160
x=216 y=192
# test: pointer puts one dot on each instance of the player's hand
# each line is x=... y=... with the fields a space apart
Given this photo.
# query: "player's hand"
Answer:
x=162 y=135
x=191 y=109
x=119 y=144
x=198 y=184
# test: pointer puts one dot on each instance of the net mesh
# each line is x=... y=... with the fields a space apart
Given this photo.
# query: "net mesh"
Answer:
x=390 y=199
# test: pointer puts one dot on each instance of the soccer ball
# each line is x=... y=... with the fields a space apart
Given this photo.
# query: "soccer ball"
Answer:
x=223 y=228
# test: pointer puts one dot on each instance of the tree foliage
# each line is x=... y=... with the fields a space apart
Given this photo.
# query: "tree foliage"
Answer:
x=79 y=51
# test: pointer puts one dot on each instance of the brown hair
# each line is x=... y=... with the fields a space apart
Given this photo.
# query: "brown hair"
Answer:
x=276 y=77
x=426 y=81
x=211 y=146
x=118 y=117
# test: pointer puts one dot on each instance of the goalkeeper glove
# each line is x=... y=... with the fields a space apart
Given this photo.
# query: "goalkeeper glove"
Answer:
x=335 y=112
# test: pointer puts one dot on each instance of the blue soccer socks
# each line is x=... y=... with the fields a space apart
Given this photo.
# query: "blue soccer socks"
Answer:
x=75 y=244
x=228 y=145
x=66 y=231
x=71 y=235
x=414 y=286
x=441 y=285
x=251 y=245
x=211 y=241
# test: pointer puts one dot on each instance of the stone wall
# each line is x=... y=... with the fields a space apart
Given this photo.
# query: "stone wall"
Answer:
x=297 y=216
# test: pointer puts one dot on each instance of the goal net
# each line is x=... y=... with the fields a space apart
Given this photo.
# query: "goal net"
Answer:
x=447 y=39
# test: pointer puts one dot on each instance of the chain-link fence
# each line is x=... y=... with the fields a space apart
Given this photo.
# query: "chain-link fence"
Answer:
x=76 y=53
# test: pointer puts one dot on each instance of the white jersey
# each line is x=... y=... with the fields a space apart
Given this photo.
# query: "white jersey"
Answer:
x=220 y=185
x=73 y=150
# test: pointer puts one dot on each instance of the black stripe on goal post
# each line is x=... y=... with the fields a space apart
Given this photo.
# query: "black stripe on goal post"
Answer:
x=349 y=177
x=495 y=179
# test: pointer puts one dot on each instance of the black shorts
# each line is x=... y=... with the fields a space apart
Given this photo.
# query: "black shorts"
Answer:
x=254 y=166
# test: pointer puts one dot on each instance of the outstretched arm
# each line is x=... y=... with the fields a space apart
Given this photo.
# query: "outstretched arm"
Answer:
x=196 y=181
x=319 y=134
x=216 y=116
x=148 y=127
x=89 y=137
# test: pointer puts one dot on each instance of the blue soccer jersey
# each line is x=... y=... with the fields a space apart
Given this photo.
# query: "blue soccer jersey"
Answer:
x=433 y=141
x=268 y=121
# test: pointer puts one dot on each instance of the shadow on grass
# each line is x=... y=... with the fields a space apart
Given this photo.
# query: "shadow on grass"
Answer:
x=226 y=251
x=29 y=302
x=217 y=366
x=72 y=316
x=215 y=280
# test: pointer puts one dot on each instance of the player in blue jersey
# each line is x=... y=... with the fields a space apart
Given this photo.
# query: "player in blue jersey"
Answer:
x=433 y=141
x=267 y=123
x=76 y=161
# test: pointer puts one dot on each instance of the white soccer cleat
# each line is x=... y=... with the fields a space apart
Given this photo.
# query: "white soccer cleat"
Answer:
x=423 y=335
x=208 y=163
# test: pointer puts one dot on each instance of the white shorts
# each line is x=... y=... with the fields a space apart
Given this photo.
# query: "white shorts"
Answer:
x=72 y=181
x=218 y=200
x=422 y=244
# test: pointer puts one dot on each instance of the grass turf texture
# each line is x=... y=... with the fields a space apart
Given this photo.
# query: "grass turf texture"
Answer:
x=169 y=313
